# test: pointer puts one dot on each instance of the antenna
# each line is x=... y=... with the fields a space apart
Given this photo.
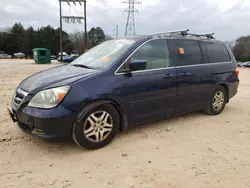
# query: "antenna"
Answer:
x=131 y=10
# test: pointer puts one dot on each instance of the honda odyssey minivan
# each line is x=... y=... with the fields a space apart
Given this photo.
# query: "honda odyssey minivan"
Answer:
x=124 y=82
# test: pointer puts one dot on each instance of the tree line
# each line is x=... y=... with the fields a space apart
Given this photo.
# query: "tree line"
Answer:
x=241 y=49
x=18 y=39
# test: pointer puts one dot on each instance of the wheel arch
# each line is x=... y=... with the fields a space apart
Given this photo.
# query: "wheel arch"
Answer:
x=95 y=103
x=225 y=86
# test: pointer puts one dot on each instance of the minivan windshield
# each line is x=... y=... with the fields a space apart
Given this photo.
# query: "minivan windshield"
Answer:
x=104 y=54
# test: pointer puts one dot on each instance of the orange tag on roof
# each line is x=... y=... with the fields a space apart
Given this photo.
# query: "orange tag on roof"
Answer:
x=181 y=50
x=105 y=59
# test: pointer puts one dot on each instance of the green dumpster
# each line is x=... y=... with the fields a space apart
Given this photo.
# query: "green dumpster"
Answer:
x=41 y=55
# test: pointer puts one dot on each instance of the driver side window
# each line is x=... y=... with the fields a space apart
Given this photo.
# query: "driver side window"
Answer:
x=155 y=53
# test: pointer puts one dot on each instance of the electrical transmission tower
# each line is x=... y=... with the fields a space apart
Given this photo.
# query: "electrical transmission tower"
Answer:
x=131 y=10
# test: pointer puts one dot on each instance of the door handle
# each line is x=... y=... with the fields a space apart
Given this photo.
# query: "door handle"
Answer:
x=168 y=76
x=185 y=74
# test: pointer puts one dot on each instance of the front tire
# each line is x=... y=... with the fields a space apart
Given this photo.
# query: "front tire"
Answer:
x=217 y=101
x=97 y=128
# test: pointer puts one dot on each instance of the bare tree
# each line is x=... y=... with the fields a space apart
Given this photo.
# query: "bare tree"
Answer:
x=78 y=40
x=231 y=44
x=95 y=37
x=108 y=37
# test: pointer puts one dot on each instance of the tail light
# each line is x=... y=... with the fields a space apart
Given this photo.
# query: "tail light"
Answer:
x=237 y=71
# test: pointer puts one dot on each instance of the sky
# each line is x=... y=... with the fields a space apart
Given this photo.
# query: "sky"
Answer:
x=228 y=19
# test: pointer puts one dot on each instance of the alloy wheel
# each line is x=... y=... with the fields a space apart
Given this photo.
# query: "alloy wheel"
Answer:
x=98 y=126
x=218 y=100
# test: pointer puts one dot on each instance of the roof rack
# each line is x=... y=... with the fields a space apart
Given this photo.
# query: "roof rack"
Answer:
x=208 y=36
x=168 y=33
x=182 y=33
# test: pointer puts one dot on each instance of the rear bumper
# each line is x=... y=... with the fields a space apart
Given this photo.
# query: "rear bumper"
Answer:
x=53 y=124
x=233 y=89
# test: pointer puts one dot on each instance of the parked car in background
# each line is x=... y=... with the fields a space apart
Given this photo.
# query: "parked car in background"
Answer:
x=74 y=53
x=242 y=64
x=4 y=55
x=69 y=59
x=124 y=82
x=53 y=57
x=19 y=55
x=239 y=63
x=64 y=54
x=246 y=64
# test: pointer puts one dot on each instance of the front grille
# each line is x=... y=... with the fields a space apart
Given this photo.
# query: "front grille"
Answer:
x=19 y=96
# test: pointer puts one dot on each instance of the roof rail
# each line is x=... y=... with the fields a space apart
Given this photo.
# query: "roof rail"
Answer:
x=182 y=32
x=209 y=36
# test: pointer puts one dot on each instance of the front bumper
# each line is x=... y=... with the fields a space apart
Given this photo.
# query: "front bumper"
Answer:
x=49 y=124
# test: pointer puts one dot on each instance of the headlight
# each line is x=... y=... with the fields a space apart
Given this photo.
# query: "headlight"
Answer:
x=49 y=98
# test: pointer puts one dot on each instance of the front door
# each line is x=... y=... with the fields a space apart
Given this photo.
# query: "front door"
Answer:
x=150 y=93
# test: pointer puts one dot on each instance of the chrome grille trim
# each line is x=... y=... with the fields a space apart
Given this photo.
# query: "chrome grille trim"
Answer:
x=19 y=96
x=18 y=99
x=24 y=93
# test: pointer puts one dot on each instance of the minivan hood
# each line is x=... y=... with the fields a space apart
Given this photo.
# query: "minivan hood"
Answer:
x=57 y=76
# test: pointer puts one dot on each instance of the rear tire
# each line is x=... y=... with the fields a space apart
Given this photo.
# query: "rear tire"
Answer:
x=217 y=101
x=97 y=128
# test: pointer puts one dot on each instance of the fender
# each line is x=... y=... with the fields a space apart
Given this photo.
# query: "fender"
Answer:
x=226 y=87
x=93 y=104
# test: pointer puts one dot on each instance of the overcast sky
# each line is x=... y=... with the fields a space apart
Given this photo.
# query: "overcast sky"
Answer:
x=228 y=19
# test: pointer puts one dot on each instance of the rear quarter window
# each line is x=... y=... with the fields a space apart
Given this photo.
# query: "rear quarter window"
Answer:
x=217 y=52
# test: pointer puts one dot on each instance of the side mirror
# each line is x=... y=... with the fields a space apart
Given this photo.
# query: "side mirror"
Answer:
x=136 y=65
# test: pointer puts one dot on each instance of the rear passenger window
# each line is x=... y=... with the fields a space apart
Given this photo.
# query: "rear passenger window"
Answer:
x=184 y=52
x=216 y=52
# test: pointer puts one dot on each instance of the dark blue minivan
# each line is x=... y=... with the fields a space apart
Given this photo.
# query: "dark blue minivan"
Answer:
x=124 y=82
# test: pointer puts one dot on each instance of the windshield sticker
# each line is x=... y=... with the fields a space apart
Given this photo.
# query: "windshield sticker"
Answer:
x=181 y=50
x=105 y=59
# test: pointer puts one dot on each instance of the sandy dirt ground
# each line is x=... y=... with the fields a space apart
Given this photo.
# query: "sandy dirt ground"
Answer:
x=193 y=150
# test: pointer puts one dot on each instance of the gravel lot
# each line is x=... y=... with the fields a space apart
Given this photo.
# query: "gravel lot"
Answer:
x=193 y=150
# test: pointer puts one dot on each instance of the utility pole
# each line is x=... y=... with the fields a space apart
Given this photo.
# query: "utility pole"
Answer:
x=72 y=19
x=117 y=31
x=85 y=27
x=131 y=10
x=60 y=5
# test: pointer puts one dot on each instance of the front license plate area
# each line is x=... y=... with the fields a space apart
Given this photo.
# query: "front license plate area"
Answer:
x=13 y=115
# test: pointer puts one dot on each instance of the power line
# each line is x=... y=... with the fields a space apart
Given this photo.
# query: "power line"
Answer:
x=73 y=19
x=131 y=10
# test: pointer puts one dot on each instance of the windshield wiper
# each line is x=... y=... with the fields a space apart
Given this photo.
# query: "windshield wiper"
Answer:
x=83 y=66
